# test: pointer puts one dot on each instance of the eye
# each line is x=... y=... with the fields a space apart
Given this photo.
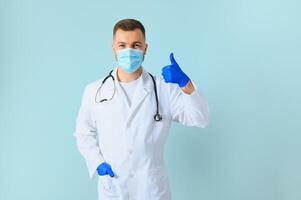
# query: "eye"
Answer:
x=137 y=46
x=121 y=45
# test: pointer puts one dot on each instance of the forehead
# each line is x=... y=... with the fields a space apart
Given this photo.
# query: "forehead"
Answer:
x=128 y=36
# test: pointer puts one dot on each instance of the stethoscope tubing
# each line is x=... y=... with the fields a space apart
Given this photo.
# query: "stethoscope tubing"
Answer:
x=157 y=116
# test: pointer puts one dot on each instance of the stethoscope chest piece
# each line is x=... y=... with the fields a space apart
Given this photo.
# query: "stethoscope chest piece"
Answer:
x=158 y=117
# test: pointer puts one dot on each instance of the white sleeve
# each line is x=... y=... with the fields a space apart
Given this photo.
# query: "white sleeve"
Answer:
x=188 y=109
x=86 y=136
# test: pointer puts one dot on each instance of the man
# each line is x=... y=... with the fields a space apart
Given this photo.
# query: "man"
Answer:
x=131 y=113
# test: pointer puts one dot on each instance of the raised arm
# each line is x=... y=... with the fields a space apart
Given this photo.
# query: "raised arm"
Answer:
x=187 y=104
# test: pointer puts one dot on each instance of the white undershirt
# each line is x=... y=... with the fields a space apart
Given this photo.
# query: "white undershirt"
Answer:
x=129 y=89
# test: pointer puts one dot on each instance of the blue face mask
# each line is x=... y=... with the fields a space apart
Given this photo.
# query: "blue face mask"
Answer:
x=130 y=59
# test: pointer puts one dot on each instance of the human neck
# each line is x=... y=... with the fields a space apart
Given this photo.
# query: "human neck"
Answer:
x=128 y=77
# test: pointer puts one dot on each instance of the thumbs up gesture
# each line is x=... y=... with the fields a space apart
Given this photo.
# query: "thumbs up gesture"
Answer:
x=173 y=74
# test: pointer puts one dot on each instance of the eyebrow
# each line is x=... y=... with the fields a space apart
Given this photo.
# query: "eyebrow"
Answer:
x=133 y=42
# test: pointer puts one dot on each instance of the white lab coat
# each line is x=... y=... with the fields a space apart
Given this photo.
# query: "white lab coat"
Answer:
x=129 y=139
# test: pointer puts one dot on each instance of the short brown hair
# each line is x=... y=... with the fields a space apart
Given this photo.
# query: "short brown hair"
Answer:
x=129 y=25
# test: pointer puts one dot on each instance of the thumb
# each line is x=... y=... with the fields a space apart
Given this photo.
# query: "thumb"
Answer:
x=110 y=172
x=172 y=59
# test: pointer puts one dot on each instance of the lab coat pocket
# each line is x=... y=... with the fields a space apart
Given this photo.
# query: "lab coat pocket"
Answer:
x=108 y=186
x=157 y=182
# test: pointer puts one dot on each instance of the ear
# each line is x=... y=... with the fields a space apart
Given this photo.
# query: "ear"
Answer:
x=145 y=50
x=146 y=46
x=113 y=51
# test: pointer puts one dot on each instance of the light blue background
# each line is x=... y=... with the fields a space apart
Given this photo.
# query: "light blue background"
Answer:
x=244 y=55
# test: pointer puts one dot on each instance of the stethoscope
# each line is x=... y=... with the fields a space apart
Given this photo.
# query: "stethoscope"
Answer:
x=157 y=116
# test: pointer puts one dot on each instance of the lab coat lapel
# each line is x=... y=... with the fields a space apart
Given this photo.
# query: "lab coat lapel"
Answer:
x=142 y=90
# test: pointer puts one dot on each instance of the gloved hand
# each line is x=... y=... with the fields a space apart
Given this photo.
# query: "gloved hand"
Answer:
x=173 y=73
x=104 y=169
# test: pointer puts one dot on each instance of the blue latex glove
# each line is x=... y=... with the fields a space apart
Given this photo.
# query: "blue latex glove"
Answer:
x=104 y=169
x=173 y=73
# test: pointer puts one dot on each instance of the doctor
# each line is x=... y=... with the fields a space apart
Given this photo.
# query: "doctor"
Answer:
x=125 y=117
